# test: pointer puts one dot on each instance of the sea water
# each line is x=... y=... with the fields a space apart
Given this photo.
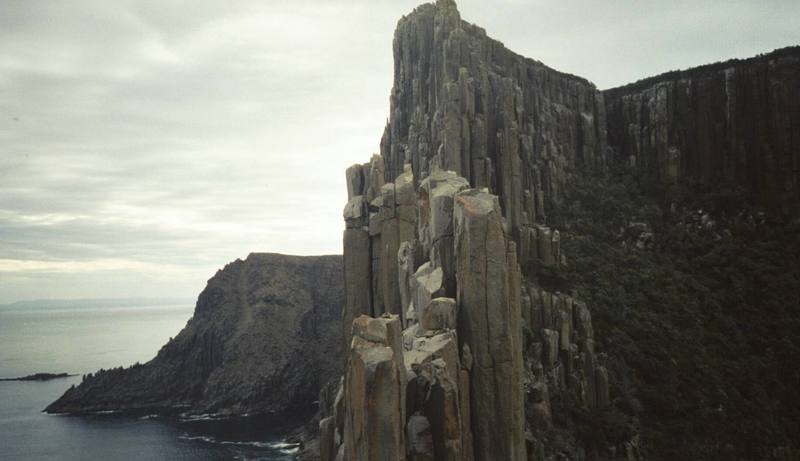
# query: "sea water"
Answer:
x=82 y=340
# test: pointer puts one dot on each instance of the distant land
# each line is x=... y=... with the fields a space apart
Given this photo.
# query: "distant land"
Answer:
x=40 y=377
x=95 y=303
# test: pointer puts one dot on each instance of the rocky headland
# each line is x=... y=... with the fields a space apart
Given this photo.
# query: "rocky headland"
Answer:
x=264 y=339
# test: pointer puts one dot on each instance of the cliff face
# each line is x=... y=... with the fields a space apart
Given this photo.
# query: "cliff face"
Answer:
x=735 y=123
x=454 y=354
x=264 y=339
x=463 y=102
x=466 y=325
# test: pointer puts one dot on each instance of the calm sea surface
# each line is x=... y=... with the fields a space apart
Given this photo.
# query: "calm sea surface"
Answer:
x=82 y=340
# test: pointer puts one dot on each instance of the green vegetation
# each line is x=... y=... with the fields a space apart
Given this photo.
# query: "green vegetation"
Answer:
x=697 y=303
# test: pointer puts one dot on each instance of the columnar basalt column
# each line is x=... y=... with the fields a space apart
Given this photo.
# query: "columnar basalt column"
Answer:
x=487 y=323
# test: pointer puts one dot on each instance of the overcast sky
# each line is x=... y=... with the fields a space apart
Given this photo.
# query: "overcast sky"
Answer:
x=145 y=144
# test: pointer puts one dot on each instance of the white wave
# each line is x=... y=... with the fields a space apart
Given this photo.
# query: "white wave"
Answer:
x=203 y=417
x=283 y=447
x=202 y=438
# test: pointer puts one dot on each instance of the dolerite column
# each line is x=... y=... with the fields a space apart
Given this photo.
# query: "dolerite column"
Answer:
x=357 y=254
x=374 y=391
x=487 y=322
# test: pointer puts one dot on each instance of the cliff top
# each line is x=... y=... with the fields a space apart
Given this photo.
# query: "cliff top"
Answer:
x=786 y=52
x=430 y=9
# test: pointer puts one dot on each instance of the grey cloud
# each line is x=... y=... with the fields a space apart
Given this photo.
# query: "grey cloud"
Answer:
x=169 y=137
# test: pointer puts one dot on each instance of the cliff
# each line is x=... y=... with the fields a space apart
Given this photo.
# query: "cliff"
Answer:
x=517 y=286
x=734 y=124
x=263 y=340
x=456 y=350
x=463 y=102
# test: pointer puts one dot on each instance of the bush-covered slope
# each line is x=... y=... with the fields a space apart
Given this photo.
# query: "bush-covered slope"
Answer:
x=698 y=302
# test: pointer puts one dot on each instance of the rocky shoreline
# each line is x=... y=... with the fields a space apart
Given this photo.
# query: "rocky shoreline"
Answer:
x=262 y=341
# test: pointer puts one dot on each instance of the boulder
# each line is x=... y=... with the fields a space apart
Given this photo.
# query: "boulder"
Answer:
x=429 y=348
x=356 y=213
x=355 y=181
x=426 y=284
x=439 y=314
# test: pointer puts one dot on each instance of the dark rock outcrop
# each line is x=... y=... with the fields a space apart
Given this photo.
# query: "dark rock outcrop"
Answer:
x=264 y=339
x=735 y=123
x=39 y=377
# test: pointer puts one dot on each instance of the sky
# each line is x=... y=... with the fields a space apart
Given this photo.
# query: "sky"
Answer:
x=145 y=144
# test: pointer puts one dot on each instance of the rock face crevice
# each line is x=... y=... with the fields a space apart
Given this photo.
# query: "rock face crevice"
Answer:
x=264 y=339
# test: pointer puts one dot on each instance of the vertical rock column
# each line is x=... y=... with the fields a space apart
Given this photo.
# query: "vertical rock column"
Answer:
x=357 y=251
x=489 y=325
x=374 y=392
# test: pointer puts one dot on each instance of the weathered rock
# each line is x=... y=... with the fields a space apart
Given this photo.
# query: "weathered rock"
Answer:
x=550 y=346
x=601 y=387
x=484 y=323
x=357 y=279
x=433 y=394
x=356 y=182
x=583 y=321
x=374 y=177
x=466 y=357
x=467 y=440
x=420 y=439
x=436 y=196
x=327 y=433
x=429 y=348
x=356 y=213
x=444 y=413
x=426 y=284
x=409 y=258
x=375 y=391
x=439 y=314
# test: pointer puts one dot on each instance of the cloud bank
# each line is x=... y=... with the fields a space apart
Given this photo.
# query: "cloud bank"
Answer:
x=144 y=144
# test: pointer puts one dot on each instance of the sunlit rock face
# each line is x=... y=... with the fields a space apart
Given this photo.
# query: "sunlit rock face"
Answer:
x=733 y=123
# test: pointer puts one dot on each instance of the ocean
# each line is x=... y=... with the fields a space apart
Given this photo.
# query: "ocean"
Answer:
x=81 y=340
